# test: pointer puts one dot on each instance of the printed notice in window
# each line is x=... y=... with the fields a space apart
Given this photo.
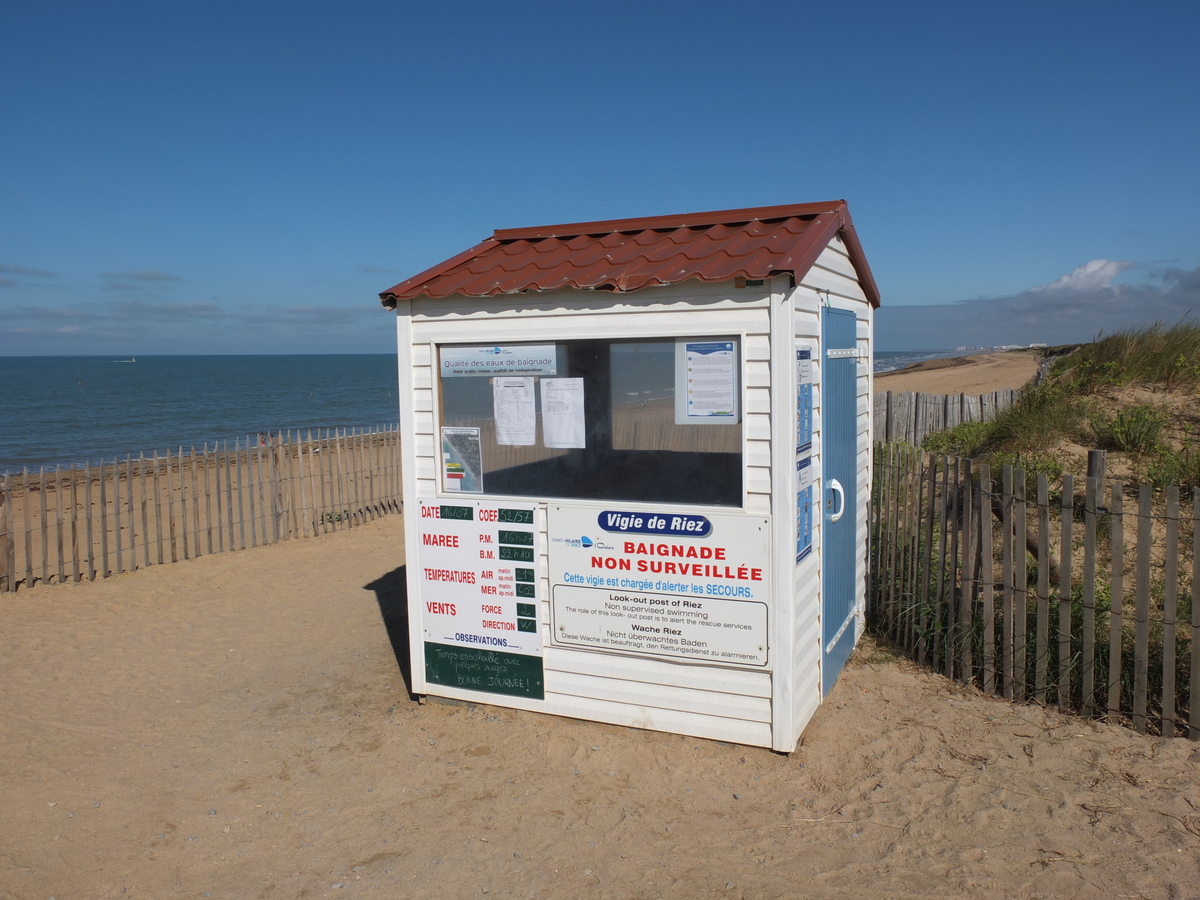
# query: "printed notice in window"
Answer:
x=706 y=384
x=462 y=461
x=562 y=413
x=514 y=410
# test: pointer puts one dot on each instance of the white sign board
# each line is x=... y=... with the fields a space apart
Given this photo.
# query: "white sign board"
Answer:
x=680 y=585
x=706 y=385
x=499 y=359
x=477 y=563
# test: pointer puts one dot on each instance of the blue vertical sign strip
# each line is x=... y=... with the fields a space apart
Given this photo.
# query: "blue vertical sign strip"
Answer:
x=804 y=402
x=803 y=522
x=804 y=443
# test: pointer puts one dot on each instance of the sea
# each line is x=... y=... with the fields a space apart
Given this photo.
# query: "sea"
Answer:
x=71 y=410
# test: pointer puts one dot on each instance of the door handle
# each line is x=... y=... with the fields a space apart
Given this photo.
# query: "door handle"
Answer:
x=840 y=493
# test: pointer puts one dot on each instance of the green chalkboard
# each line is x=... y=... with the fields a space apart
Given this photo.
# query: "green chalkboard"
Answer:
x=491 y=671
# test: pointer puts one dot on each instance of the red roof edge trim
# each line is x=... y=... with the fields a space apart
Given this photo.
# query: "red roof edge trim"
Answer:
x=859 y=259
x=388 y=297
x=652 y=223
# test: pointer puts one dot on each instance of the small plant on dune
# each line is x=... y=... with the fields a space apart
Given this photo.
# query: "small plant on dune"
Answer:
x=1089 y=376
x=1184 y=371
x=1033 y=463
x=1169 y=466
x=962 y=440
x=1037 y=421
x=1136 y=430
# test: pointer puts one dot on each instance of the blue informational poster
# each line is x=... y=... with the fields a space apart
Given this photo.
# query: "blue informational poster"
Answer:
x=803 y=522
x=804 y=446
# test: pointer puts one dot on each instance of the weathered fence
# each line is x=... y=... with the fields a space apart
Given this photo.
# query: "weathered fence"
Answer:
x=911 y=416
x=87 y=522
x=1059 y=593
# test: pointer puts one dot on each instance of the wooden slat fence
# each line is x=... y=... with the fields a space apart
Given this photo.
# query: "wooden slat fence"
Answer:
x=910 y=416
x=88 y=522
x=1067 y=592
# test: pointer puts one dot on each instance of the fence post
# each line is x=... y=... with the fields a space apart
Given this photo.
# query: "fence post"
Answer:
x=953 y=626
x=1115 y=611
x=1193 y=681
x=171 y=529
x=1064 y=593
x=941 y=626
x=966 y=618
x=985 y=575
x=1020 y=586
x=926 y=563
x=1041 y=660
x=875 y=535
x=276 y=468
x=1087 y=669
x=1141 y=639
x=1170 y=606
x=1093 y=506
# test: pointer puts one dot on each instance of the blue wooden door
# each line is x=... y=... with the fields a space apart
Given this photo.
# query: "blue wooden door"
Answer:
x=839 y=463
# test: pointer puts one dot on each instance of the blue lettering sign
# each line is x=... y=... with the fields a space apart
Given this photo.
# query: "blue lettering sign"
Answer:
x=676 y=524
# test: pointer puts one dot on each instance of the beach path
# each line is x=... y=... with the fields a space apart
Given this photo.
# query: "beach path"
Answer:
x=239 y=726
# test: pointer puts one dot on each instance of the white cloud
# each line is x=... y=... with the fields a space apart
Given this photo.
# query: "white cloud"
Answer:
x=1075 y=308
x=1091 y=276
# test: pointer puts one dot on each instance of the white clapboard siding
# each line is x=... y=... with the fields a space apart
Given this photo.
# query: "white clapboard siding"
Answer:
x=722 y=703
x=657 y=691
x=703 y=725
x=658 y=697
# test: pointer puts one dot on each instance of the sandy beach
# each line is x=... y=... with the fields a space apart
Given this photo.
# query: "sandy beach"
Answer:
x=976 y=374
x=240 y=725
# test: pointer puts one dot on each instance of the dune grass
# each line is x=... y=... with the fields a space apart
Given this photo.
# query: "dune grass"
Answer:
x=1065 y=406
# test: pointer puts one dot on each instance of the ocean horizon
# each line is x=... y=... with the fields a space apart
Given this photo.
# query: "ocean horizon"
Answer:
x=72 y=410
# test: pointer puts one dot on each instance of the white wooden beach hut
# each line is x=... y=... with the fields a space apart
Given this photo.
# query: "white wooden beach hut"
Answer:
x=637 y=463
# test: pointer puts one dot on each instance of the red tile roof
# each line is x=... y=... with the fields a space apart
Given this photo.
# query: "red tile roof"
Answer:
x=629 y=254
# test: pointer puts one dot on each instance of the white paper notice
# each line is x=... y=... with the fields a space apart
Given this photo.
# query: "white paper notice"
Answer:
x=515 y=411
x=562 y=412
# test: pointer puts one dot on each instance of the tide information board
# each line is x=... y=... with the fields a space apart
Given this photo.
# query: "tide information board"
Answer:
x=684 y=586
x=477 y=564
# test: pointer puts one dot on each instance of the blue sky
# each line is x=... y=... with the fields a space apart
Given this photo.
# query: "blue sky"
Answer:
x=246 y=177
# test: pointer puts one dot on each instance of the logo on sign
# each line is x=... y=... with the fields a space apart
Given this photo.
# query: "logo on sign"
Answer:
x=584 y=542
x=680 y=525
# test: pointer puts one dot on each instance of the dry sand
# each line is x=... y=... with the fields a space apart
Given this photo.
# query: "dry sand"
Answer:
x=239 y=726
x=977 y=374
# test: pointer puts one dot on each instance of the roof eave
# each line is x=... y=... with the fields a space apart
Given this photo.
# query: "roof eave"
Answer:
x=409 y=287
